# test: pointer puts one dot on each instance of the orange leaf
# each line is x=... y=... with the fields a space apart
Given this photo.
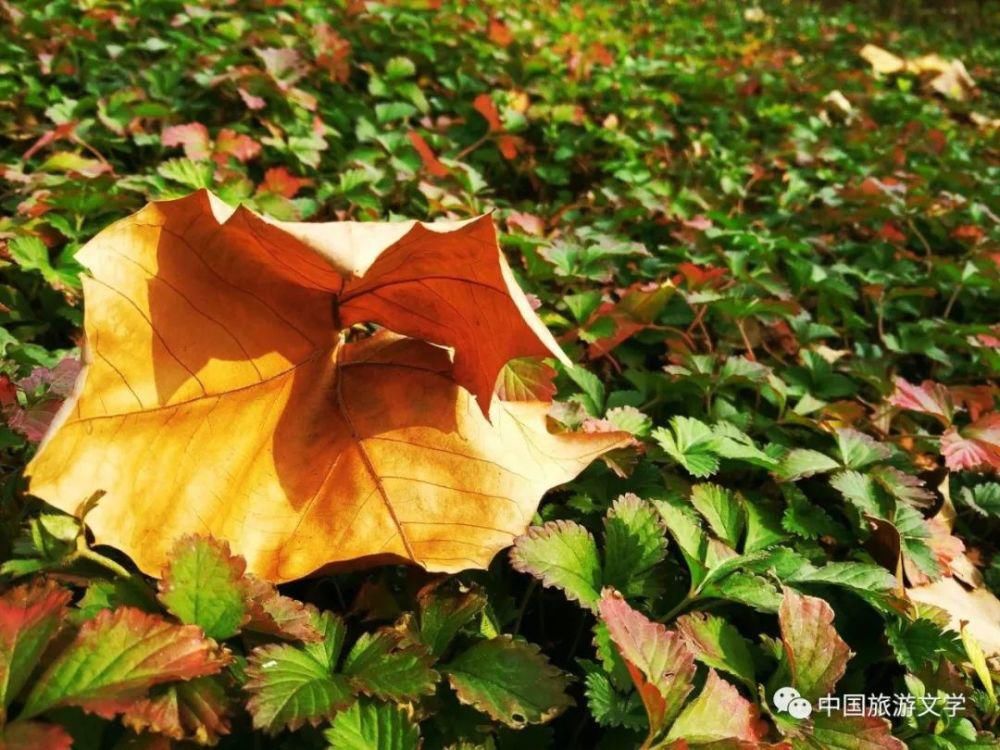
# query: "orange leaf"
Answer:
x=280 y=181
x=484 y=105
x=218 y=398
x=427 y=156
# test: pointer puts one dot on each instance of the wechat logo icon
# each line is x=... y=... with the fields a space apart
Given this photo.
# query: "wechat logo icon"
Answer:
x=788 y=700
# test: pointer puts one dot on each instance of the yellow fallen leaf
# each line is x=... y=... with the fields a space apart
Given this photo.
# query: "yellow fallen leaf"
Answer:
x=221 y=396
x=950 y=77
x=881 y=60
x=979 y=608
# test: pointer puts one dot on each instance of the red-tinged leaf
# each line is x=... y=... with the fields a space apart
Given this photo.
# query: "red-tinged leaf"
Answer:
x=601 y=55
x=193 y=137
x=976 y=447
x=660 y=663
x=34 y=735
x=116 y=657
x=252 y=102
x=484 y=105
x=701 y=276
x=719 y=713
x=927 y=398
x=817 y=656
x=833 y=732
x=976 y=399
x=30 y=616
x=635 y=311
x=59 y=380
x=890 y=233
x=526 y=379
x=8 y=391
x=527 y=223
x=34 y=421
x=334 y=52
x=230 y=143
x=427 y=156
x=196 y=710
x=280 y=181
x=65 y=130
x=273 y=614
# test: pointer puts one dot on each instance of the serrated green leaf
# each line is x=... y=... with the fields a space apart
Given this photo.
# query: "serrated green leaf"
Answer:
x=800 y=463
x=722 y=509
x=731 y=442
x=860 y=490
x=293 y=685
x=629 y=419
x=634 y=543
x=370 y=725
x=562 y=554
x=862 y=578
x=746 y=588
x=913 y=540
x=203 y=585
x=191 y=174
x=690 y=443
x=983 y=498
x=763 y=526
x=921 y=643
x=609 y=707
x=610 y=657
x=685 y=527
x=509 y=680
x=591 y=386
x=809 y=520
x=102 y=595
x=444 y=610
x=718 y=644
x=857 y=450
x=380 y=664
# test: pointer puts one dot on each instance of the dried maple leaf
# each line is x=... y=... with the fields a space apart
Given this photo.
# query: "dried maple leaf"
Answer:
x=219 y=395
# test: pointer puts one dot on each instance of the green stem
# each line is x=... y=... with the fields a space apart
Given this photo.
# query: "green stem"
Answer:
x=83 y=552
x=681 y=606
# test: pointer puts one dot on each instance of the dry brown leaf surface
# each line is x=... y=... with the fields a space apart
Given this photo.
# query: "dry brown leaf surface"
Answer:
x=219 y=397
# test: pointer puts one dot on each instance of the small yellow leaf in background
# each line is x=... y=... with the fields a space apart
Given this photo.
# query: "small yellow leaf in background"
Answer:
x=219 y=395
x=949 y=78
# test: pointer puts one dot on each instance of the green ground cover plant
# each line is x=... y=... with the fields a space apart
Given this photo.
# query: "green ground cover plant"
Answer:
x=767 y=238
